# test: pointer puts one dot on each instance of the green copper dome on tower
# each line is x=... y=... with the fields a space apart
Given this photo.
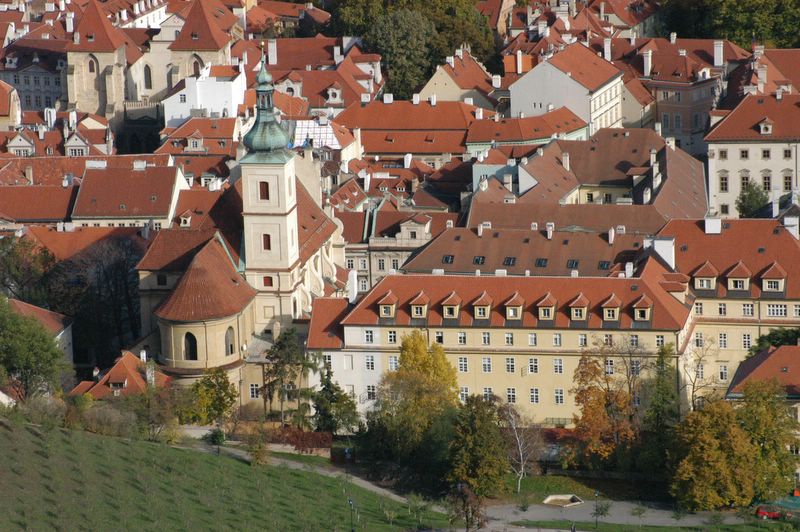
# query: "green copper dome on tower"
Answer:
x=266 y=141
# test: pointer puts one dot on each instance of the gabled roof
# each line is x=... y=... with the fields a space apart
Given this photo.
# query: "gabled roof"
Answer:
x=781 y=363
x=516 y=300
x=453 y=299
x=118 y=193
x=739 y=271
x=547 y=300
x=643 y=302
x=774 y=271
x=706 y=270
x=420 y=299
x=388 y=299
x=53 y=322
x=483 y=299
x=579 y=301
x=200 y=30
x=585 y=67
x=324 y=330
x=97 y=34
x=742 y=124
x=211 y=288
x=611 y=301
x=128 y=370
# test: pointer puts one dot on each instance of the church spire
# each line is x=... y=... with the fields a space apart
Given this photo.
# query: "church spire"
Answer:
x=266 y=140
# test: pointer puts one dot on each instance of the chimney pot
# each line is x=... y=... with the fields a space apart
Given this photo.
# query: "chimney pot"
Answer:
x=673 y=37
x=607 y=48
x=718 y=55
x=565 y=160
x=647 y=56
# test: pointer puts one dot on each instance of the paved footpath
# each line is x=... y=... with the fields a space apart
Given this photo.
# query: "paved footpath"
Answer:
x=619 y=513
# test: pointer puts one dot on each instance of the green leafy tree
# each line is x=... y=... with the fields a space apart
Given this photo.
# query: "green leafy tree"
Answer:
x=334 y=410
x=214 y=396
x=422 y=388
x=776 y=338
x=30 y=360
x=767 y=419
x=751 y=199
x=478 y=458
x=286 y=367
x=662 y=413
x=716 y=460
x=403 y=38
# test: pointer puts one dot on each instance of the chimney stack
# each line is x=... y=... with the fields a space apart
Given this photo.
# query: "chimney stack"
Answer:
x=479 y=113
x=673 y=37
x=415 y=99
x=550 y=227
x=718 y=56
x=647 y=55
x=611 y=235
x=407 y=160
x=433 y=100
x=70 y=22
x=762 y=76
x=565 y=160
x=607 y=48
x=496 y=82
x=657 y=127
x=388 y=98
x=519 y=61
x=541 y=27
x=272 y=52
x=450 y=61
x=628 y=270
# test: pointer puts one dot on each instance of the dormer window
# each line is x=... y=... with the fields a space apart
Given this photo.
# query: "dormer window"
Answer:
x=641 y=308
x=773 y=285
x=704 y=283
x=451 y=306
x=513 y=313
x=482 y=306
x=514 y=306
x=418 y=311
x=387 y=305
x=546 y=313
x=738 y=284
x=578 y=314
x=578 y=308
x=195 y=36
x=765 y=126
x=611 y=314
x=450 y=311
x=642 y=314
x=547 y=307
x=481 y=312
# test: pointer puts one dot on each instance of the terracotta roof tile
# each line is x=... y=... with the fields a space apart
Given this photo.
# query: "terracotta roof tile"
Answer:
x=579 y=301
x=324 y=331
x=53 y=322
x=200 y=31
x=117 y=193
x=781 y=363
x=68 y=244
x=210 y=288
x=743 y=122
x=483 y=299
x=739 y=270
x=37 y=204
x=128 y=370
x=584 y=66
x=516 y=300
x=97 y=34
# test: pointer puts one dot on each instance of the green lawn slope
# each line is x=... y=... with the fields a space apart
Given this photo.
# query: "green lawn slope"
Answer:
x=70 y=480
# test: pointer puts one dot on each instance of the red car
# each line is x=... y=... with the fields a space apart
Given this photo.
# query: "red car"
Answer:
x=771 y=512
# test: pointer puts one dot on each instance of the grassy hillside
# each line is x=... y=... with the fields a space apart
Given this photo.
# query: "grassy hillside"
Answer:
x=69 y=480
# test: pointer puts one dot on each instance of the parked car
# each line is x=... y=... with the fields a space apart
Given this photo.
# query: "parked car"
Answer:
x=772 y=512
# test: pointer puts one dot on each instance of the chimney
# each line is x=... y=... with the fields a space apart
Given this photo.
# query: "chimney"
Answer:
x=469 y=101
x=41 y=129
x=143 y=356
x=70 y=22
x=611 y=235
x=433 y=100
x=337 y=54
x=670 y=142
x=460 y=53
x=508 y=182
x=388 y=98
x=123 y=15
x=633 y=38
x=480 y=230
x=653 y=157
x=758 y=51
x=479 y=113
x=718 y=58
x=109 y=142
x=682 y=52
x=779 y=94
x=534 y=226
x=364 y=99
x=762 y=76
x=550 y=227
x=607 y=48
x=76 y=37
x=673 y=37
x=792 y=224
x=647 y=55
x=602 y=10
x=415 y=99
x=628 y=270
x=496 y=82
x=62 y=6
x=407 y=160
x=272 y=52
x=713 y=225
x=29 y=174
x=657 y=127
x=96 y=374
x=519 y=61
x=664 y=248
x=448 y=224
x=776 y=206
x=450 y=61
x=541 y=27
x=565 y=160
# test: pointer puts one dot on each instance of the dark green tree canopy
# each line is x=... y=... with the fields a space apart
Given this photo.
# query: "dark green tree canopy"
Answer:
x=751 y=199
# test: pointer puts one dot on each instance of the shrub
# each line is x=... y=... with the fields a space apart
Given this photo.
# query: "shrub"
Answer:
x=215 y=437
x=304 y=441
x=48 y=412
x=107 y=420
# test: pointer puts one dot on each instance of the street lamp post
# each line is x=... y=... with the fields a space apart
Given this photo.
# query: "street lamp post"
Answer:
x=596 y=494
x=352 y=527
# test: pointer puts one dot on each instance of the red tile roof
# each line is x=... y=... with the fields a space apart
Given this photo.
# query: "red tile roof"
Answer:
x=174 y=249
x=128 y=372
x=469 y=74
x=324 y=331
x=37 y=204
x=354 y=225
x=200 y=31
x=779 y=363
x=559 y=121
x=584 y=66
x=68 y=244
x=97 y=34
x=667 y=313
x=314 y=226
x=118 y=193
x=53 y=322
x=405 y=116
x=742 y=124
x=759 y=244
x=210 y=288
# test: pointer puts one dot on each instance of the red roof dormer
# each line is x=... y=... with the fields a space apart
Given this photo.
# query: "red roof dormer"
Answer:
x=774 y=271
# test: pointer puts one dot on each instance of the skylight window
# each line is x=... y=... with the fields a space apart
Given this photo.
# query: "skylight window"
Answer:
x=509 y=261
x=572 y=264
x=541 y=263
x=478 y=259
x=447 y=259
